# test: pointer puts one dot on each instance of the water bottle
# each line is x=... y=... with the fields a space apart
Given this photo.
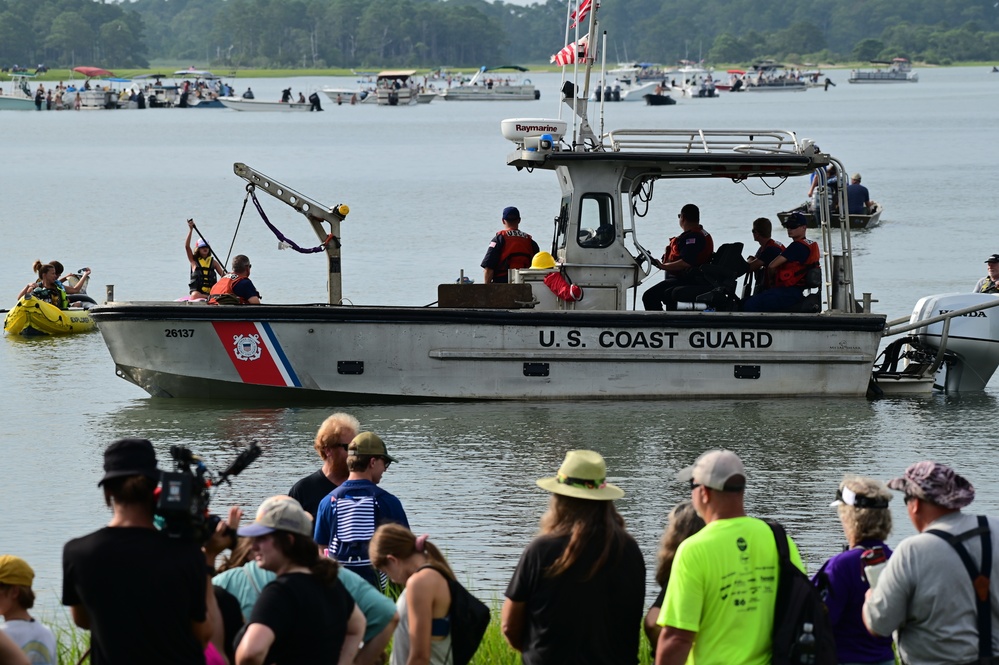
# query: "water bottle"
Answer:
x=806 y=645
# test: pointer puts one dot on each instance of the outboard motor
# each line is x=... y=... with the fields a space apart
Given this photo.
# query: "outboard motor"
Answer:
x=973 y=339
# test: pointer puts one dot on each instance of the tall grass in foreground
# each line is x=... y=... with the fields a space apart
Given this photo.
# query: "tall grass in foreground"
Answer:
x=495 y=651
x=74 y=642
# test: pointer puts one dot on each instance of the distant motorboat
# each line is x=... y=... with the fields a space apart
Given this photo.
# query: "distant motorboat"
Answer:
x=625 y=84
x=509 y=87
x=659 y=100
x=341 y=96
x=18 y=97
x=241 y=104
x=859 y=221
x=899 y=70
x=395 y=87
x=765 y=78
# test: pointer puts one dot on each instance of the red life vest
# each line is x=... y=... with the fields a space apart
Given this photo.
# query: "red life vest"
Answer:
x=676 y=244
x=518 y=250
x=792 y=273
x=224 y=287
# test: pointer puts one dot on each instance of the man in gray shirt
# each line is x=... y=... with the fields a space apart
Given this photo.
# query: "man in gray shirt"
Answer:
x=926 y=591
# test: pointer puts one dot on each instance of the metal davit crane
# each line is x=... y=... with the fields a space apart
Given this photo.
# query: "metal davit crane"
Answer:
x=316 y=213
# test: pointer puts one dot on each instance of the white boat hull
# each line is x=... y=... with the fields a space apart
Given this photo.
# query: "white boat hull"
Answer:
x=9 y=103
x=297 y=352
x=481 y=93
x=240 y=104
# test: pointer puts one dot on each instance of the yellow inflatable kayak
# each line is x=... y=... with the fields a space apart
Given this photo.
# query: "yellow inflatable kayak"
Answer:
x=31 y=316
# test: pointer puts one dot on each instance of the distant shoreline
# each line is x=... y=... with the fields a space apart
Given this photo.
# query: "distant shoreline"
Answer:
x=66 y=74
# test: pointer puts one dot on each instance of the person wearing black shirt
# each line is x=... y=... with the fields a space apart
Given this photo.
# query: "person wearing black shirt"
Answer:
x=144 y=596
x=332 y=439
x=305 y=616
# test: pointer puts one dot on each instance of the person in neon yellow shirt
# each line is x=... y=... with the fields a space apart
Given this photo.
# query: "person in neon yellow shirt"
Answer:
x=719 y=606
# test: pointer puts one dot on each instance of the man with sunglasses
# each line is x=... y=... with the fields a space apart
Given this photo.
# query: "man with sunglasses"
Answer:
x=722 y=589
x=332 y=439
x=936 y=590
x=348 y=516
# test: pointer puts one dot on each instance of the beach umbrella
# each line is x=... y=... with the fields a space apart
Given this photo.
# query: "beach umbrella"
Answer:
x=91 y=72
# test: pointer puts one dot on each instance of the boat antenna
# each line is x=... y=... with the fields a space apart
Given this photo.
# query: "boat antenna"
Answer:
x=603 y=80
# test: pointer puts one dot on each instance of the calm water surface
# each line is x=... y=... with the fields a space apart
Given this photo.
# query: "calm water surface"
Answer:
x=425 y=185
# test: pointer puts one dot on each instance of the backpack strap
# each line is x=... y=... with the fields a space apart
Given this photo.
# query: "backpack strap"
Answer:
x=780 y=536
x=979 y=579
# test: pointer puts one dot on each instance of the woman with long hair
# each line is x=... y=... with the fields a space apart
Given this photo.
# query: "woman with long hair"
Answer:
x=305 y=615
x=576 y=595
x=47 y=288
x=423 y=636
x=862 y=504
x=682 y=523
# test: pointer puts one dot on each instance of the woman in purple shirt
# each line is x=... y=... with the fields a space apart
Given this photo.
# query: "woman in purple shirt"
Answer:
x=862 y=504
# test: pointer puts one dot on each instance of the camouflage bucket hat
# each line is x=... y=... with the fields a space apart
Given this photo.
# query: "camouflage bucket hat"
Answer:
x=936 y=483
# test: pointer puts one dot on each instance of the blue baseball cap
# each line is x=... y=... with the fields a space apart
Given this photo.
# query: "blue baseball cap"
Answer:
x=511 y=214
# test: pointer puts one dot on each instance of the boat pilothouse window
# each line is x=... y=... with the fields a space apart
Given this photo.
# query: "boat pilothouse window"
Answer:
x=596 y=221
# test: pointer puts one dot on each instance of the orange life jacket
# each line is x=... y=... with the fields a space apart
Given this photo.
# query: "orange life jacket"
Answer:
x=518 y=250
x=224 y=287
x=792 y=273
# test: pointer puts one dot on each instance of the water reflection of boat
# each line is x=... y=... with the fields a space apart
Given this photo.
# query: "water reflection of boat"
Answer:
x=898 y=70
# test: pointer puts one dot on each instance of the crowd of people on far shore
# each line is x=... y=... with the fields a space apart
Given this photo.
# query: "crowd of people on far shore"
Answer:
x=310 y=579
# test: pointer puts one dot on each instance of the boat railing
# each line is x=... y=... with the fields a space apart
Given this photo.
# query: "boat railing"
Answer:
x=893 y=327
x=707 y=141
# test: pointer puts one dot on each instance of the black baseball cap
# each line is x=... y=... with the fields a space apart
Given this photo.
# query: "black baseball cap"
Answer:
x=993 y=259
x=129 y=457
x=794 y=220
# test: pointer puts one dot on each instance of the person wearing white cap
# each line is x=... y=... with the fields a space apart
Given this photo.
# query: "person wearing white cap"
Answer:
x=843 y=580
x=989 y=283
x=305 y=615
x=719 y=604
x=577 y=593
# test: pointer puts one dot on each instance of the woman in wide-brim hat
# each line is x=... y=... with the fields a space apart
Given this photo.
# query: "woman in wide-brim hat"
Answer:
x=578 y=590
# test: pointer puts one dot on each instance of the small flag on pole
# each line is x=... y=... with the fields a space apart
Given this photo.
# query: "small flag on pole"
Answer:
x=572 y=53
x=580 y=13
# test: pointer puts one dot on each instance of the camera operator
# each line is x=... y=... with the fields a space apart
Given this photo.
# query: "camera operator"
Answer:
x=145 y=597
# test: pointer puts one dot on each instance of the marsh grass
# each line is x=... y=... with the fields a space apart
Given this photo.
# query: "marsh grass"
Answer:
x=493 y=650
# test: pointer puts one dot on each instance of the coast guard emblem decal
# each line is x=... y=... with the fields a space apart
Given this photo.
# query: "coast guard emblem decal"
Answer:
x=256 y=354
x=246 y=347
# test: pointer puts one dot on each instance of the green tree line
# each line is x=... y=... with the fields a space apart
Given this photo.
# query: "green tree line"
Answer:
x=470 y=33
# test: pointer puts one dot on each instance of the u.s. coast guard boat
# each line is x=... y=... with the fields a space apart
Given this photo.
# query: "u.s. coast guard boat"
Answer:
x=564 y=329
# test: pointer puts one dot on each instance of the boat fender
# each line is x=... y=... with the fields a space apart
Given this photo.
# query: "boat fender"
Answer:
x=562 y=288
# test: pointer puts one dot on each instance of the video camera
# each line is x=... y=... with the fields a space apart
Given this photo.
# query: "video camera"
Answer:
x=183 y=495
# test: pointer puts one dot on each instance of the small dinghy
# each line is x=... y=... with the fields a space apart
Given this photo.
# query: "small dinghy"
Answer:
x=33 y=317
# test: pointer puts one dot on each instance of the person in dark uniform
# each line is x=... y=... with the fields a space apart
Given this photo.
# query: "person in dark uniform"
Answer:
x=509 y=248
x=690 y=249
x=788 y=271
x=769 y=250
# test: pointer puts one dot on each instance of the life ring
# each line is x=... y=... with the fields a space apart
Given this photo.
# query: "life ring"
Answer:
x=527 y=81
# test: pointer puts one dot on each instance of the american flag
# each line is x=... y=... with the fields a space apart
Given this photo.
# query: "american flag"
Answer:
x=580 y=13
x=572 y=52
